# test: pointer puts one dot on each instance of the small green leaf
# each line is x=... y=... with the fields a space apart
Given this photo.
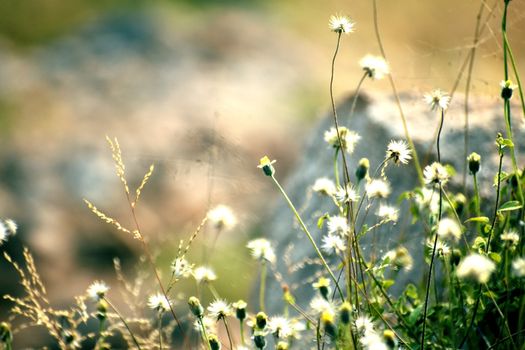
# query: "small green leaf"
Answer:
x=495 y=257
x=321 y=220
x=388 y=283
x=411 y=291
x=482 y=219
x=510 y=205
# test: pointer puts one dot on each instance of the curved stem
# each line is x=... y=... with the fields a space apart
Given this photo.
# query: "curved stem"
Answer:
x=160 y=330
x=228 y=332
x=124 y=322
x=305 y=229
x=204 y=333
x=356 y=95
x=262 y=286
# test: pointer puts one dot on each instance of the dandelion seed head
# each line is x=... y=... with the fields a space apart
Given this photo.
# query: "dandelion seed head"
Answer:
x=341 y=24
x=373 y=341
x=158 y=302
x=220 y=309
x=377 y=188
x=437 y=99
x=222 y=218
x=349 y=138
x=3 y=233
x=510 y=238
x=375 y=66
x=476 y=267
x=324 y=186
x=399 y=152
x=261 y=249
x=97 y=290
x=400 y=258
x=181 y=268
x=204 y=274
x=364 y=324
x=346 y=194
x=11 y=226
x=320 y=305
x=280 y=327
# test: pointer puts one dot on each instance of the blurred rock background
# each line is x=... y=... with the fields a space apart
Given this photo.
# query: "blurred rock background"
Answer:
x=201 y=89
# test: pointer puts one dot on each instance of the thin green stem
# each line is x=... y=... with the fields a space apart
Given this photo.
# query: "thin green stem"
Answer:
x=356 y=96
x=305 y=229
x=262 y=286
x=160 y=330
x=124 y=322
x=228 y=332
x=417 y=165
x=204 y=333
x=241 y=328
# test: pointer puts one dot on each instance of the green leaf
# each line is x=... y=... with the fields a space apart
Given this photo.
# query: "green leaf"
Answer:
x=495 y=257
x=482 y=219
x=321 y=220
x=510 y=205
x=411 y=291
x=388 y=283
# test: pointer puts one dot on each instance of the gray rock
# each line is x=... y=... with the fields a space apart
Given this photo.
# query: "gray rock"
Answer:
x=377 y=121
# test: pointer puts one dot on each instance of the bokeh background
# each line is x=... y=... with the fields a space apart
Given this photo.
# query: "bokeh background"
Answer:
x=201 y=89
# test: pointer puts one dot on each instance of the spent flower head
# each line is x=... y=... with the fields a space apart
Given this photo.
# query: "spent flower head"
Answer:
x=3 y=233
x=204 y=274
x=280 y=327
x=181 y=268
x=364 y=324
x=222 y=218
x=333 y=244
x=507 y=88
x=510 y=238
x=437 y=99
x=338 y=224
x=518 y=267
x=261 y=249
x=448 y=229
x=348 y=137
x=476 y=267
x=97 y=290
x=400 y=258
x=341 y=24
x=346 y=194
x=325 y=186
x=377 y=188
x=387 y=213
x=159 y=302
x=220 y=309
x=374 y=66
x=399 y=152
x=11 y=226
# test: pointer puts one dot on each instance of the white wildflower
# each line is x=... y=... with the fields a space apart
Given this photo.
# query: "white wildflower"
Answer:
x=261 y=249
x=333 y=244
x=222 y=218
x=209 y=323
x=364 y=324
x=320 y=305
x=399 y=152
x=518 y=267
x=324 y=186
x=220 y=309
x=477 y=267
x=400 y=258
x=442 y=249
x=11 y=226
x=346 y=194
x=437 y=99
x=159 y=302
x=428 y=198
x=97 y=290
x=375 y=66
x=204 y=274
x=338 y=224
x=448 y=229
x=297 y=328
x=181 y=268
x=435 y=173
x=373 y=341
x=3 y=233
x=280 y=327
x=341 y=24
x=510 y=238
x=349 y=138
x=388 y=213
x=377 y=188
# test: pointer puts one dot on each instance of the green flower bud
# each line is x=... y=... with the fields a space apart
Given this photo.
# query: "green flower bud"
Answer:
x=345 y=312
x=259 y=340
x=261 y=320
x=5 y=333
x=474 y=161
x=215 y=344
x=362 y=169
x=196 y=307
x=240 y=309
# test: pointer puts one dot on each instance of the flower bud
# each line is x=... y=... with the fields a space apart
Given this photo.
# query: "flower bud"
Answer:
x=240 y=309
x=282 y=346
x=390 y=338
x=5 y=333
x=345 y=312
x=362 y=169
x=195 y=307
x=474 y=161
x=261 y=320
x=259 y=340
x=215 y=344
x=327 y=320
x=102 y=309
x=266 y=165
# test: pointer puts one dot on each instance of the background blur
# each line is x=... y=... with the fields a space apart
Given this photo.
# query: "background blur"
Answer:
x=202 y=89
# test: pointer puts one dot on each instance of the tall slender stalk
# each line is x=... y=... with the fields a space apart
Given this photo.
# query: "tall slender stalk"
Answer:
x=262 y=286
x=124 y=322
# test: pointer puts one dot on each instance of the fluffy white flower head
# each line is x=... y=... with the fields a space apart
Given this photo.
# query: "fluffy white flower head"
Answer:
x=399 y=152
x=324 y=186
x=476 y=267
x=320 y=305
x=448 y=229
x=346 y=194
x=387 y=212
x=204 y=274
x=181 y=268
x=400 y=258
x=375 y=66
x=333 y=244
x=442 y=249
x=3 y=233
x=159 y=302
x=340 y=24
x=518 y=267
x=11 y=226
x=364 y=324
x=222 y=218
x=373 y=341
x=338 y=224
x=377 y=188
x=97 y=290
x=511 y=238
x=261 y=249
x=437 y=99
x=435 y=173
x=349 y=138
x=280 y=327
x=220 y=309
